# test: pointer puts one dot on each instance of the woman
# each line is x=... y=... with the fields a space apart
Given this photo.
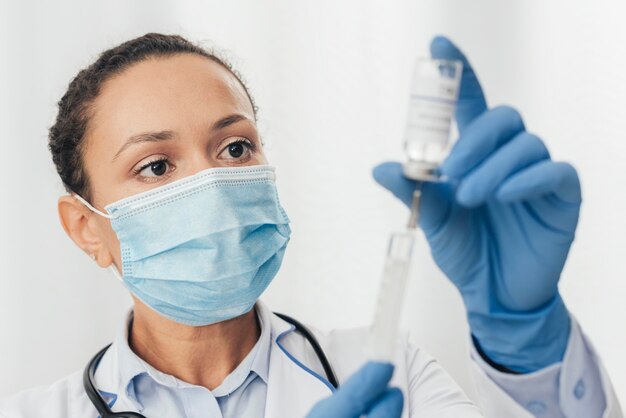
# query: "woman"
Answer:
x=157 y=145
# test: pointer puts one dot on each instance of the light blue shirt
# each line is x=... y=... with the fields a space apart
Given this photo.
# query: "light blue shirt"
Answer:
x=156 y=394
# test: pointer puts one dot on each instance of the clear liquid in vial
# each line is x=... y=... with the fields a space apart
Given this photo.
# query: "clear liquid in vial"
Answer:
x=434 y=94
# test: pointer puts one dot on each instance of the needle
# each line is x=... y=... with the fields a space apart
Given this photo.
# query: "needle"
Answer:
x=415 y=207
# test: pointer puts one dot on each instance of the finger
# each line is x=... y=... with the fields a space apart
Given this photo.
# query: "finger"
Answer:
x=390 y=176
x=543 y=178
x=436 y=197
x=471 y=98
x=480 y=184
x=389 y=405
x=486 y=134
x=358 y=393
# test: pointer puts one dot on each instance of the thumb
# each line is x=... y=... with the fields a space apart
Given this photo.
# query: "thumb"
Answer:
x=472 y=101
x=436 y=200
x=389 y=175
x=357 y=395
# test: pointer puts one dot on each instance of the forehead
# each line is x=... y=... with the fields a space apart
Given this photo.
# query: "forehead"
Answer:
x=169 y=92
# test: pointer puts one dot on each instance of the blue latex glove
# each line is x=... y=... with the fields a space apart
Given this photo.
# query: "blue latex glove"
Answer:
x=501 y=228
x=365 y=393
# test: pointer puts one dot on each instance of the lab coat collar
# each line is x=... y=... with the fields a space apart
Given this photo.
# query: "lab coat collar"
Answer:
x=293 y=387
x=124 y=365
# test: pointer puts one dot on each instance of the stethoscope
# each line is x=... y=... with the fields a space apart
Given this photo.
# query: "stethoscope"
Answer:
x=105 y=411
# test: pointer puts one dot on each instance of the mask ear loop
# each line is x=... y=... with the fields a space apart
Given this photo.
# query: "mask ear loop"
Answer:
x=112 y=268
x=115 y=272
x=91 y=208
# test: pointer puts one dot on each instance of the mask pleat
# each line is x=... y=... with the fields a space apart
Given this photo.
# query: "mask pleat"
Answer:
x=203 y=250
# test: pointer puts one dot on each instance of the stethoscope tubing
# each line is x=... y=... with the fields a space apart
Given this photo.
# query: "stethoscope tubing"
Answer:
x=105 y=411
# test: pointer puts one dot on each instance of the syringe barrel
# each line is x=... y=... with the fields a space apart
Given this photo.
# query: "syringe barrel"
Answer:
x=434 y=95
x=384 y=330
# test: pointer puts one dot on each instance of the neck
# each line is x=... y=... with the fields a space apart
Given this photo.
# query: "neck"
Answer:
x=202 y=356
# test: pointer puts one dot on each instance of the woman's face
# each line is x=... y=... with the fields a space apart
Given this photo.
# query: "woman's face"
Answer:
x=158 y=121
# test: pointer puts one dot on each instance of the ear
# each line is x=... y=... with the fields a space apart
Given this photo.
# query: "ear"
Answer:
x=82 y=226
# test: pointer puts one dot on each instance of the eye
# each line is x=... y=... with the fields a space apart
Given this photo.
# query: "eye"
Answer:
x=154 y=168
x=238 y=149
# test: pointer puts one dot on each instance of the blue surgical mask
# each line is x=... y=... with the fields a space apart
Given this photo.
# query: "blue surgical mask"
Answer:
x=202 y=249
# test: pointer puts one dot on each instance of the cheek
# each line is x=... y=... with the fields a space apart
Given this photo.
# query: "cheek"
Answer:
x=260 y=158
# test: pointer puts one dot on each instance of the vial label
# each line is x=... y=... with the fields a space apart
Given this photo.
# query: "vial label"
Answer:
x=434 y=94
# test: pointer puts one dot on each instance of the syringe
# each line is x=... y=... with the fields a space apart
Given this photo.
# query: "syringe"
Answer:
x=384 y=329
x=434 y=94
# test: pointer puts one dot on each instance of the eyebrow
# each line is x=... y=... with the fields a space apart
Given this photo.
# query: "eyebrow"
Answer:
x=227 y=121
x=168 y=135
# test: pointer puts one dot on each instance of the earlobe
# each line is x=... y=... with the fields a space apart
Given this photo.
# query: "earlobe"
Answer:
x=75 y=219
x=103 y=258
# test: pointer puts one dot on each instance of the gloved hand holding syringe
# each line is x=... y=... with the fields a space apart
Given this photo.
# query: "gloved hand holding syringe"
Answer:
x=434 y=93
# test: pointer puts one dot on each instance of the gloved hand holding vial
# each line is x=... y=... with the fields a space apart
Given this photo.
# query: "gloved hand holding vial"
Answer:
x=434 y=94
x=499 y=227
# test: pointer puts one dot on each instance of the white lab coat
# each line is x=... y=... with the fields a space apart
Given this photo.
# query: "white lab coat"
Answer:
x=573 y=389
x=296 y=382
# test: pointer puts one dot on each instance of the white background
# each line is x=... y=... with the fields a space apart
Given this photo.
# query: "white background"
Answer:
x=331 y=79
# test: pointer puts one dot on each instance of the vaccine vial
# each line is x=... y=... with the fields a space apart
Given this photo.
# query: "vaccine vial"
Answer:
x=434 y=95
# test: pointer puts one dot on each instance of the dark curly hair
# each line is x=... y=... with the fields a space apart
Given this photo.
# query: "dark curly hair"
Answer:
x=66 y=136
